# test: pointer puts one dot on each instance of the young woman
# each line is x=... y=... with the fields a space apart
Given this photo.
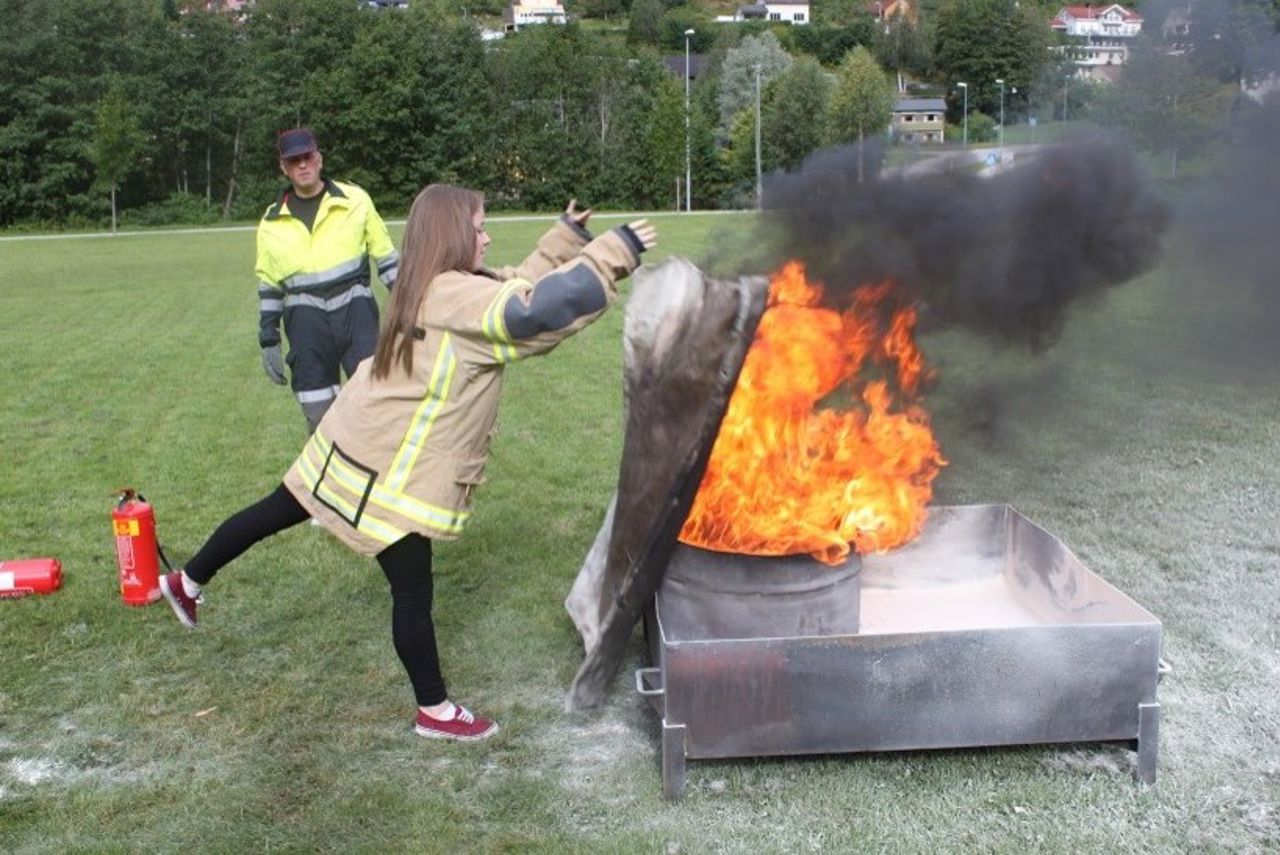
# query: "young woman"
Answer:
x=393 y=464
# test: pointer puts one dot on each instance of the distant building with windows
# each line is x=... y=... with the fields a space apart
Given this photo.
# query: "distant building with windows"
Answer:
x=520 y=14
x=1099 y=37
x=781 y=11
x=236 y=6
x=919 y=120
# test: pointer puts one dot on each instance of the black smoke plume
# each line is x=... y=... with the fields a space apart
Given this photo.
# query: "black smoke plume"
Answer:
x=1225 y=276
x=1004 y=255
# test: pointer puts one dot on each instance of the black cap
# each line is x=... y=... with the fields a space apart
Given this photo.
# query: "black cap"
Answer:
x=296 y=141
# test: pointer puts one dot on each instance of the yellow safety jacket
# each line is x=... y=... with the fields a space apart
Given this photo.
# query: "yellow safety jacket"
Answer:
x=404 y=453
x=324 y=268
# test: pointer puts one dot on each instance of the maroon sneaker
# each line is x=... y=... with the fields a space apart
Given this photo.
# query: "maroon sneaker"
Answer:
x=183 y=606
x=463 y=726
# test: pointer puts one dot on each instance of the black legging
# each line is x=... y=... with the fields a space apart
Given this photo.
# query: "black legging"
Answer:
x=406 y=563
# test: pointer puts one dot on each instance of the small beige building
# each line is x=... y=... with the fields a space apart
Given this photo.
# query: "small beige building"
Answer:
x=919 y=120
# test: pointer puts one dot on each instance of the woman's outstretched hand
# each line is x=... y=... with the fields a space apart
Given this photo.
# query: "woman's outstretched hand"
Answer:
x=645 y=232
x=579 y=217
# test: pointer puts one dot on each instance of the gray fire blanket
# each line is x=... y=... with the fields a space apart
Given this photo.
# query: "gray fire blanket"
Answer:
x=685 y=339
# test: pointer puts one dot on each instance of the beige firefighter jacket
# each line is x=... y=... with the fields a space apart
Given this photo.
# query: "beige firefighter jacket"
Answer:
x=405 y=453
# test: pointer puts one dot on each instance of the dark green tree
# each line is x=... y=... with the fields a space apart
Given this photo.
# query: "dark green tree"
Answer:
x=861 y=102
x=1232 y=41
x=644 y=23
x=903 y=49
x=666 y=146
x=828 y=43
x=117 y=142
x=1164 y=104
x=980 y=41
x=790 y=104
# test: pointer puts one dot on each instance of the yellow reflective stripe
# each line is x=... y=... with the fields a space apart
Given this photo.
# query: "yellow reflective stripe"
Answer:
x=420 y=426
x=310 y=469
x=351 y=479
x=494 y=325
x=378 y=529
x=324 y=491
x=375 y=528
x=441 y=519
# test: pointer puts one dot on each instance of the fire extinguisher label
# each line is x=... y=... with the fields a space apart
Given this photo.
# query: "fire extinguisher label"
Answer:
x=124 y=551
x=126 y=528
x=7 y=581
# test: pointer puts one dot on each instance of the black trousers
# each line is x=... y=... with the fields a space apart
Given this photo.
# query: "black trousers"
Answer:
x=406 y=564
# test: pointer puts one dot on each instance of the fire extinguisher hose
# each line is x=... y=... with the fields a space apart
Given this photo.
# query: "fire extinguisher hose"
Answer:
x=129 y=493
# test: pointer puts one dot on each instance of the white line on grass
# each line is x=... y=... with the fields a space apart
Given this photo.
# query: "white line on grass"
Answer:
x=524 y=218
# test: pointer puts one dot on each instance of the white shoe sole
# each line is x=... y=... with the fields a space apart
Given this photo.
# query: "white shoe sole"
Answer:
x=173 y=604
x=435 y=734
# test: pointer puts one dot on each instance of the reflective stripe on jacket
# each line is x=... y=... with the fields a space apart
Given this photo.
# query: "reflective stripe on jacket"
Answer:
x=325 y=267
x=405 y=453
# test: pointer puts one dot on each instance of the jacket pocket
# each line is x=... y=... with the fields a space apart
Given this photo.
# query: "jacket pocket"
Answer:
x=469 y=474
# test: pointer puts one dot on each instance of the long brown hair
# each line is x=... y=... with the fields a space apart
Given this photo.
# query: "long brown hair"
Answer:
x=438 y=236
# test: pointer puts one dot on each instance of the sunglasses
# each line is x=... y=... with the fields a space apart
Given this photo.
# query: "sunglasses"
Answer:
x=299 y=159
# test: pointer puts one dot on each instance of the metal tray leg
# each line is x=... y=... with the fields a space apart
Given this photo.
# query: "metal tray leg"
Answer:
x=673 y=763
x=1148 y=742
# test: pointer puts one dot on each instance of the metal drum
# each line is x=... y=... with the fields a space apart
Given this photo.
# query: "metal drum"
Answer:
x=725 y=595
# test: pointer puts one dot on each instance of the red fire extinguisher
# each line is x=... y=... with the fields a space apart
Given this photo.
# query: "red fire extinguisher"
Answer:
x=134 y=521
x=30 y=576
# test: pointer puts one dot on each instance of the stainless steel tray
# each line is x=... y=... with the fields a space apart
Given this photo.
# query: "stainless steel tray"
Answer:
x=984 y=630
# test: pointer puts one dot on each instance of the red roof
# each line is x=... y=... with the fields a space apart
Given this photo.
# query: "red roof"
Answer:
x=1085 y=13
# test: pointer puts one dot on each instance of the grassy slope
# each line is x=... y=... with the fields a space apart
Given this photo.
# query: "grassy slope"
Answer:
x=284 y=722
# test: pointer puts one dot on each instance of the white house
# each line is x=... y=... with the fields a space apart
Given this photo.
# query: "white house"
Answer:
x=1100 y=37
x=783 y=11
x=522 y=13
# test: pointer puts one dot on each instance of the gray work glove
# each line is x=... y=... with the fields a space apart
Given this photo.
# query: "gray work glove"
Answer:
x=273 y=364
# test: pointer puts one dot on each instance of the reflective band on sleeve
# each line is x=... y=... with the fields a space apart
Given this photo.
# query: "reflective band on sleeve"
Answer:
x=493 y=325
x=274 y=307
x=333 y=303
x=420 y=426
x=312 y=396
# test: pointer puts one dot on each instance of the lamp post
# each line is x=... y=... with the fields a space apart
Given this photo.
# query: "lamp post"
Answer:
x=1064 y=96
x=1000 y=80
x=965 y=88
x=759 y=188
x=688 y=164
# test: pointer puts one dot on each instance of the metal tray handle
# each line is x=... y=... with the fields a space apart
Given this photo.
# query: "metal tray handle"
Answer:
x=649 y=682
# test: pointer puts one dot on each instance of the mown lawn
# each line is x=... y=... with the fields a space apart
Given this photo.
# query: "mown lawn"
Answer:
x=283 y=723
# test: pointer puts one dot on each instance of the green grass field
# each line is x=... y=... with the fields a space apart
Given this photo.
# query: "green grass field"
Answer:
x=284 y=722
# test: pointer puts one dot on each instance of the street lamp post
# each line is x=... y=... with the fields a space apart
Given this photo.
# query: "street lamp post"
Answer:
x=688 y=164
x=1064 y=96
x=759 y=188
x=965 y=88
x=1000 y=80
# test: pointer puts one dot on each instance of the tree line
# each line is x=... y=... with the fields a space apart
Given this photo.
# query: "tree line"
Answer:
x=171 y=109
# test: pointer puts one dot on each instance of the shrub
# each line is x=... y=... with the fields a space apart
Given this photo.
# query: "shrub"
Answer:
x=184 y=209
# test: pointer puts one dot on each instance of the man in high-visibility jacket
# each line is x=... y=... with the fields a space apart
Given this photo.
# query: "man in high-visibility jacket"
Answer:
x=314 y=247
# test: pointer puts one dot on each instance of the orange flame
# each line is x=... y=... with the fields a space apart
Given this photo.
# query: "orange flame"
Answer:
x=790 y=473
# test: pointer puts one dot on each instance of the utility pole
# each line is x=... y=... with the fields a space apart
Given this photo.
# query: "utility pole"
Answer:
x=688 y=167
x=759 y=186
